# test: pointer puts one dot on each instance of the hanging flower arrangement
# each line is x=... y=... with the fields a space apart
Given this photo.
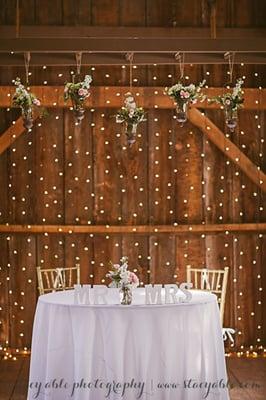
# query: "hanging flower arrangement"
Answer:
x=27 y=101
x=231 y=102
x=131 y=115
x=184 y=96
x=78 y=93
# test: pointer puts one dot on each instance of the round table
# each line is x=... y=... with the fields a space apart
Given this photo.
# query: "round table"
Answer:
x=160 y=352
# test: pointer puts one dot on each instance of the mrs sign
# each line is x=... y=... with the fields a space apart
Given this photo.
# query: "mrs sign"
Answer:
x=154 y=294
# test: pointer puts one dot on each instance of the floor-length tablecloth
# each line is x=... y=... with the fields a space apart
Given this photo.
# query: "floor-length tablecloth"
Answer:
x=157 y=352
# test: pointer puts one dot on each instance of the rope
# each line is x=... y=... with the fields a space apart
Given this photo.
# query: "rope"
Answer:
x=129 y=57
x=230 y=56
x=78 y=61
x=181 y=59
x=27 y=65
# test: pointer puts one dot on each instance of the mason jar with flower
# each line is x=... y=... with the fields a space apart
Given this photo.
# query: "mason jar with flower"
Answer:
x=184 y=95
x=78 y=92
x=123 y=279
x=27 y=101
x=131 y=115
x=231 y=102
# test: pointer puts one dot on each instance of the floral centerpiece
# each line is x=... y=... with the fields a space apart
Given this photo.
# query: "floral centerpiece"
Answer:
x=184 y=95
x=231 y=102
x=78 y=93
x=27 y=101
x=132 y=116
x=124 y=279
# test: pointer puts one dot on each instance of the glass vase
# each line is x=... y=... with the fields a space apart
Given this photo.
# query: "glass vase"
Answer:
x=79 y=114
x=27 y=118
x=231 y=118
x=181 y=112
x=126 y=296
x=131 y=131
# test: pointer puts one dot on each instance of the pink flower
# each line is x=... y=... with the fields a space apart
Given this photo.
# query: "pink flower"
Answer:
x=133 y=278
x=116 y=266
x=83 y=92
x=184 y=95
x=36 y=102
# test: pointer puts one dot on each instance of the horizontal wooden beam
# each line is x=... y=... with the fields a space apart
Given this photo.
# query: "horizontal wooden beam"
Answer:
x=94 y=59
x=11 y=134
x=136 y=45
x=56 y=31
x=216 y=136
x=108 y=45
x=137 y=229
x=112 y=97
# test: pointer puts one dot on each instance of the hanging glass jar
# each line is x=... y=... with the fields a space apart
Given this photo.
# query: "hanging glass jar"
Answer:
x=79 y=114
x=231 y=118
x=181 y=112
x=131 y=132
x=126 y=295
x=27 y=117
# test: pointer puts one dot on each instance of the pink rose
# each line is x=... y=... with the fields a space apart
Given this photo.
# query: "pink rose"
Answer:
x=133 y=278
x=36 y=102
x=184 y=95
x=83 y=92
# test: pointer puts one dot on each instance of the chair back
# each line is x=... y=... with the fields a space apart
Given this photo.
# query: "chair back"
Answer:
x=213 y=280
x=52 y=280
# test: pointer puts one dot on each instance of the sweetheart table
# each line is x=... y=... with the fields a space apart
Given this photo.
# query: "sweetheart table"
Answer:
x=112 y=351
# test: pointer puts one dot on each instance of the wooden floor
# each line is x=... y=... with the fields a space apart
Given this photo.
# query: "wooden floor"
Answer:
x=247 y=376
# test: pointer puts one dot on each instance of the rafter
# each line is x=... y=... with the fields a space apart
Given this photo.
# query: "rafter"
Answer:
x=28 y=31
x=135 y=229
x=216 y=136
x=11 y=134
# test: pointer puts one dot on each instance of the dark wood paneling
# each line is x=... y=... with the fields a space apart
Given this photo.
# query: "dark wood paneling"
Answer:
x=118 y=185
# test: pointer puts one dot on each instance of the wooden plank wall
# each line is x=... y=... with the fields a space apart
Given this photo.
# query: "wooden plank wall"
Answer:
x=63 y=174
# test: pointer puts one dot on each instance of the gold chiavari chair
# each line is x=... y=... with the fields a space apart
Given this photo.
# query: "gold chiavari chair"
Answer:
x=213 y=280
x=52 y=280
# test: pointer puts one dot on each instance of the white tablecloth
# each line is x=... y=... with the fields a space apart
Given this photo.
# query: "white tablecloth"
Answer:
x=157 y=352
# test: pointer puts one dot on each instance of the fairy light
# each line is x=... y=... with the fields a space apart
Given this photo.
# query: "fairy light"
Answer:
x=163 y=191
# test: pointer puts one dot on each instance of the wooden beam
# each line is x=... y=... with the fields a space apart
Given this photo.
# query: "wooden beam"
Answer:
x=137 y=229
x=11 y=134
x=89 y=59
x=56 y=31
x=136 y=45
x=112 y=97
x=216 y=136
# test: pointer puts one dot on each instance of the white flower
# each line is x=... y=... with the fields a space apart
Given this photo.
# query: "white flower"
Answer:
x=129 y=99
x=119 y=120
x=191 y=87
